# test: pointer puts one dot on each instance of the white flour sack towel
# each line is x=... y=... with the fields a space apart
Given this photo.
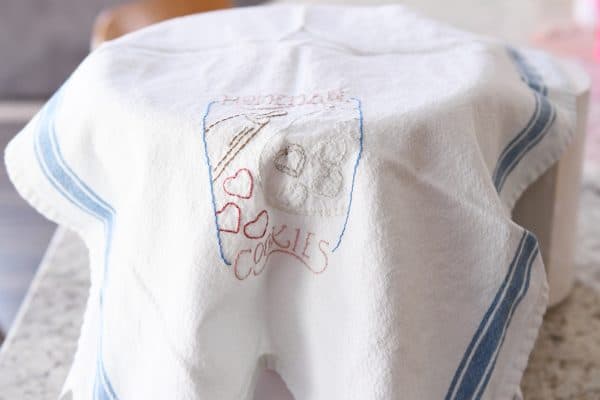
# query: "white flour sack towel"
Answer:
x=324 y=191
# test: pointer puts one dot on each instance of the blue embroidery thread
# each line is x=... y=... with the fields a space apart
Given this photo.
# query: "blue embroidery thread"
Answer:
x=210 y=182
x=212 y=192
x=360 y=150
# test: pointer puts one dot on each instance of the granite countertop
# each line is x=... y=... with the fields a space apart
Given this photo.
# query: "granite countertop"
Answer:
x=565 y=363
x=37 y=353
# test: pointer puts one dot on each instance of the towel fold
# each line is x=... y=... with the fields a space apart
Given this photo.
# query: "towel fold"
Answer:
x=325 y=191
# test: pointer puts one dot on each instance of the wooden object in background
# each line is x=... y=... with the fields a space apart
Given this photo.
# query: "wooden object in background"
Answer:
x=126 y=18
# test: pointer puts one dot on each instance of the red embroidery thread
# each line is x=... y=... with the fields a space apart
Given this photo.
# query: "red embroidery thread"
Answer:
x=239 y=217
x=251 y=235
x=297 y=257
x=236 y=264
x=274 y=237
x=296 y=240
x=261 y=254
x=235 y=176
x=263 y=251
x=306 y=243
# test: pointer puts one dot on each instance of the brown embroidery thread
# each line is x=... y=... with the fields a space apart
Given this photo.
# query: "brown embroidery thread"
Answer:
x=283 y=160
x=238 y=148
x=243 y=132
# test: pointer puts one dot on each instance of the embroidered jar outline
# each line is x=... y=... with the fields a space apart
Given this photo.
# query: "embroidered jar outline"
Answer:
x=281 y=180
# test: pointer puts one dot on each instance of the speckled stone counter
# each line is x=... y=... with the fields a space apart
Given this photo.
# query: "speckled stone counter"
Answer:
x=34 y=361
x=565 y=364
x=37 y=353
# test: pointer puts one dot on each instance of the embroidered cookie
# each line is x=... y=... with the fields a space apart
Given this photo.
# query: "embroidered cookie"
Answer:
x=325 y=145
x=290 y=160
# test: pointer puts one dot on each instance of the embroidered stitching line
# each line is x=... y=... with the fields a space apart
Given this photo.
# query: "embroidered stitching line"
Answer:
x=238 y=137
x=223 y=120
x=209 y=167
x=268 y=255
x=479 y=359
x=234 y=142
x=211 y=181
x=275 y=113
x=236 y=150
x=360 y=151
x=238 y=218
x=281 y=161
x=255 y=220
x=234 y=177
x=250 y=132
x=70 y=186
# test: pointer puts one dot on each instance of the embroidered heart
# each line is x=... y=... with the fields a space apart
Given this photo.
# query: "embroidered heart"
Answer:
x=257 y=228
x=229 y=218
x=290 y=160
x=240 y=184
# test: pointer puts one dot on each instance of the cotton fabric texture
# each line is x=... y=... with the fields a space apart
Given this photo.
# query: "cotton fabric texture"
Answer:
x=324 y=191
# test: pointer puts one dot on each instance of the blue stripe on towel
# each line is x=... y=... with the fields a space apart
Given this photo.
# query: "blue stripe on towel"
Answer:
x=528 y=74
x=478 y=362
x=70 y=186
x=537 y=127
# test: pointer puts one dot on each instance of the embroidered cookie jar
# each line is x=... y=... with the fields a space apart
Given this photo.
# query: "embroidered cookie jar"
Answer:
x=324 y=191
x=281 y=166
